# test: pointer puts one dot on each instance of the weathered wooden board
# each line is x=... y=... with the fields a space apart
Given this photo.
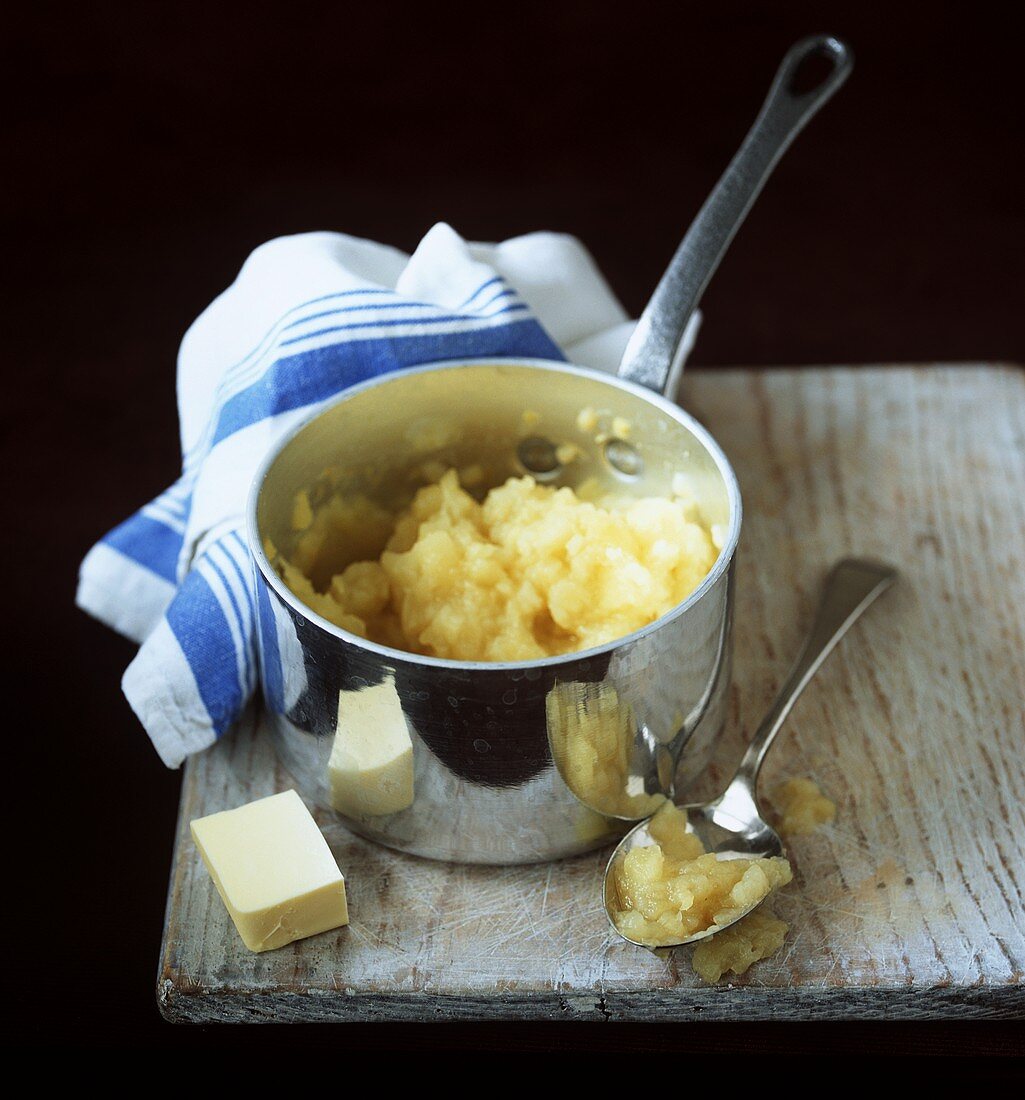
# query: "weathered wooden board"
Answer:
x=909 y=906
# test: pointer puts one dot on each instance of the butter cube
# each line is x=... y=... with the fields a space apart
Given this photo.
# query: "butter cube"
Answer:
x=371 y=766
x=274 y=871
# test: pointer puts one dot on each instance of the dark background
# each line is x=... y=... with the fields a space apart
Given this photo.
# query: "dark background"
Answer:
x=150 y=148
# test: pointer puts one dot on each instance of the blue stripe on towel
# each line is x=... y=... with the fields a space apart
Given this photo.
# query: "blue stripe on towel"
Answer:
x=148 y=543
x=441 y=319
x=313 y=376
x=270 y=344
x=277 y=327
x=507 y=293
x=368 y=307
x=236 y=610
x=235 y=553
x=493 y=281
x=200 y=626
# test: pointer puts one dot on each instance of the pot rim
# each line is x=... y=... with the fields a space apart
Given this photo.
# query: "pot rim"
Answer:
x=666 y=406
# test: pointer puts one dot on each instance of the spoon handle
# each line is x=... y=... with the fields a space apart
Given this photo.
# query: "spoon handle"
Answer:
x=652 y=353
x=850 y=588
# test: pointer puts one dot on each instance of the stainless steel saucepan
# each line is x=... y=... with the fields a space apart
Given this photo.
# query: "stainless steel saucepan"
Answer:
x=522 y=761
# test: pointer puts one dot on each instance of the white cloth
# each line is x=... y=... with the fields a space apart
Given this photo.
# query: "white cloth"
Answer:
x=307 y=317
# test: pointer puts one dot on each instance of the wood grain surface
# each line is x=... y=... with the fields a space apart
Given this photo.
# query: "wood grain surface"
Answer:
x=908 y=906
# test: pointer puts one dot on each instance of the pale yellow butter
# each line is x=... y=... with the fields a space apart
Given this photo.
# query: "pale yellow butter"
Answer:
x=274 y=871
x=371 y=765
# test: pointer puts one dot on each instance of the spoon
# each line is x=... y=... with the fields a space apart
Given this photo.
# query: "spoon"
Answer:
x=732 y=825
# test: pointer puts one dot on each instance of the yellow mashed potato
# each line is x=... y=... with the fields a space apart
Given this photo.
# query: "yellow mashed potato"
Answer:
x=802 y=807
x=757 y=936
x=666 y=892
x=591 y=733
x=529 y=572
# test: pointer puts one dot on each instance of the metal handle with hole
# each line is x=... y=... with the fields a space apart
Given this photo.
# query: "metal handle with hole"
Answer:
x=652 y=356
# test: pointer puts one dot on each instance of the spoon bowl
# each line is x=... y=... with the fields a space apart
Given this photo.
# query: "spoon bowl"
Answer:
x=732 y=826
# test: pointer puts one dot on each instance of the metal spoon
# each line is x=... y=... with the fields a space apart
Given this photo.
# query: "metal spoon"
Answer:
x=732 y=825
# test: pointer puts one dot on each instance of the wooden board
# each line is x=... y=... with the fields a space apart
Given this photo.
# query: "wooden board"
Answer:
x=909 y=906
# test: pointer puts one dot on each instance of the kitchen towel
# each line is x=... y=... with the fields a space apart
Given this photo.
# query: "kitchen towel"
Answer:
x=307 y=317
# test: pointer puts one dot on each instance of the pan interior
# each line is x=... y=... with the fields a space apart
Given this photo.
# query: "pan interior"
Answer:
x=387 y=440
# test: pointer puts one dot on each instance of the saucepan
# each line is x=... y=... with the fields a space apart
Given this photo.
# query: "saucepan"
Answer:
x=517 y=762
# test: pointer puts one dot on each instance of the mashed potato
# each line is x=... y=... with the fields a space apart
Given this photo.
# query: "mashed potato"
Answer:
x=666 y=892
x=759 y=935
x=530 y=572
x=591 y=732
x=802 y=807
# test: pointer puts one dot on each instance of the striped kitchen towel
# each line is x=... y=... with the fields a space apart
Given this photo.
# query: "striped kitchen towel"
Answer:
x=307 y=317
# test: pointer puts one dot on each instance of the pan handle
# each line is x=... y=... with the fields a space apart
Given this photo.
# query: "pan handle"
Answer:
x=652 y=357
